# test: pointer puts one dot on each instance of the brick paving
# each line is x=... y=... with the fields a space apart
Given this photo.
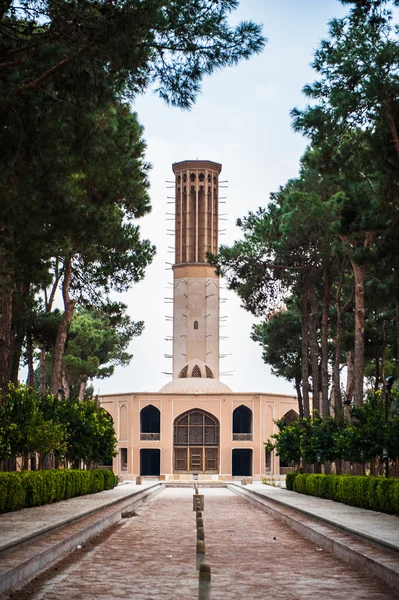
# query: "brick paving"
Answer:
x=151 y=556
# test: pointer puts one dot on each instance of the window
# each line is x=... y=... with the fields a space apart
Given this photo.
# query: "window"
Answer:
x=195 y=324
x=242 y=420
x=196 y=429
x=242 y=424
x=123 y=458
x=150 y=419
x=196 y=442
x=196 y=371
x=290 y=417
x=209 y=373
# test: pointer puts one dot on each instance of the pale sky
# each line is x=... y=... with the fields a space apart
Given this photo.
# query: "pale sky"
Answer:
x=241 y=120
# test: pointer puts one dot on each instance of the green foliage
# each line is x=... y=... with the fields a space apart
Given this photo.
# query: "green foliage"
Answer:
x=73 y=171
x=76 y=430
x=373 y=493
x=96 y=343
x=34 y=488
x=359 y=439
x=288 y=441
x=90 y=431
x=280 y=339
x=12 y=493
x=289 y=480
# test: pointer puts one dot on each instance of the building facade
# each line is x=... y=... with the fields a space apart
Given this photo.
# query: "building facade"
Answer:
x=196 y=426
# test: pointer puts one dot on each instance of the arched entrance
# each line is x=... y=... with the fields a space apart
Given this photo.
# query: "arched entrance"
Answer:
x=150 y=423
x=196 y=442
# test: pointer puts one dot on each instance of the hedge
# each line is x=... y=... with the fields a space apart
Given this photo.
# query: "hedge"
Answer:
x=33 y=488
x=373 y=493
x=289 y=479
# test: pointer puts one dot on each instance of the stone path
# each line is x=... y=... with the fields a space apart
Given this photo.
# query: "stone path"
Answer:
x=151 y=556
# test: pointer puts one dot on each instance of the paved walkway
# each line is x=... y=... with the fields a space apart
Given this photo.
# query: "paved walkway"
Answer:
x=152 y=556
x=375 y=526
x=22 y=525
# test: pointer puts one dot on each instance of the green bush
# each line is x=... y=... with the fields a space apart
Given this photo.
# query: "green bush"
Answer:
x=15 y=493
x=34 y=488
x=373 y=493
x=300 y=483
x=289 y=480
x=394 y=496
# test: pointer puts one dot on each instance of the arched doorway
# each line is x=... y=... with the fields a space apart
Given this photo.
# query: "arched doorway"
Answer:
x=196 y=442
x=150 y=423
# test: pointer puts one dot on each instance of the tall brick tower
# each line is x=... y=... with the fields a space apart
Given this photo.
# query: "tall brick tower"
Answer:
x=196 y=285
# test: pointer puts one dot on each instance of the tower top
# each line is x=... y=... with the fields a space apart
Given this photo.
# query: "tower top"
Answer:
x=196 y=284
x=196 y=164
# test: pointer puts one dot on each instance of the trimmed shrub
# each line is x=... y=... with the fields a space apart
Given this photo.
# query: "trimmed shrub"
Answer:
x=373 y=493
x=300 y=483
x=394 y=496
x=15 y=492
x=34 y=488
x=110 y=480
x=289 y=479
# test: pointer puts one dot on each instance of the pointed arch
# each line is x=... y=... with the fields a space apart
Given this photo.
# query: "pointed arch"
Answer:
x=196 y=372
x=123 y=422
x=150 y=420
x=242 y=419
x=290 y=416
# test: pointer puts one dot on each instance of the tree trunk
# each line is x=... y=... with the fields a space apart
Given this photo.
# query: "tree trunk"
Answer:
x=65 y=385
x=18 y=332
x=314 y=348
x=350 y=381
x=325 y=405
x=31 y=369
x=305 y=348
x=377 y=370
x=383 y=352
x=59 y=348
x=391 y=123
x=16 y=350
x=336 y=379
x=358 y=371
x=43 y=360
x=299 y=396
x=82 y=388
x=397 y=330
x=6 y=304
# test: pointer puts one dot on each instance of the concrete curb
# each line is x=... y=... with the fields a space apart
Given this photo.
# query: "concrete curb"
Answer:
x=361 y=535
x=67 y=521
x=383 y=563
x=42 y=555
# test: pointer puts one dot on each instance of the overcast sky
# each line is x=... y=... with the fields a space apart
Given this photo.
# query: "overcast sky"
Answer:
x=241 y=119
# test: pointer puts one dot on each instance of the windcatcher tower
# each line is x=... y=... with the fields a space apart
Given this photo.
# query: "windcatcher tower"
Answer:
x=196 y=285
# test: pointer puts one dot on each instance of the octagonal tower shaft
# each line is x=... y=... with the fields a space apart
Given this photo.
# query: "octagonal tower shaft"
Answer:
x=196 y=285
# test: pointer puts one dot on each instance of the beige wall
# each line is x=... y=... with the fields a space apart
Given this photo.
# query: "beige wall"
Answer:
x=195 y=298
x=125 y=410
